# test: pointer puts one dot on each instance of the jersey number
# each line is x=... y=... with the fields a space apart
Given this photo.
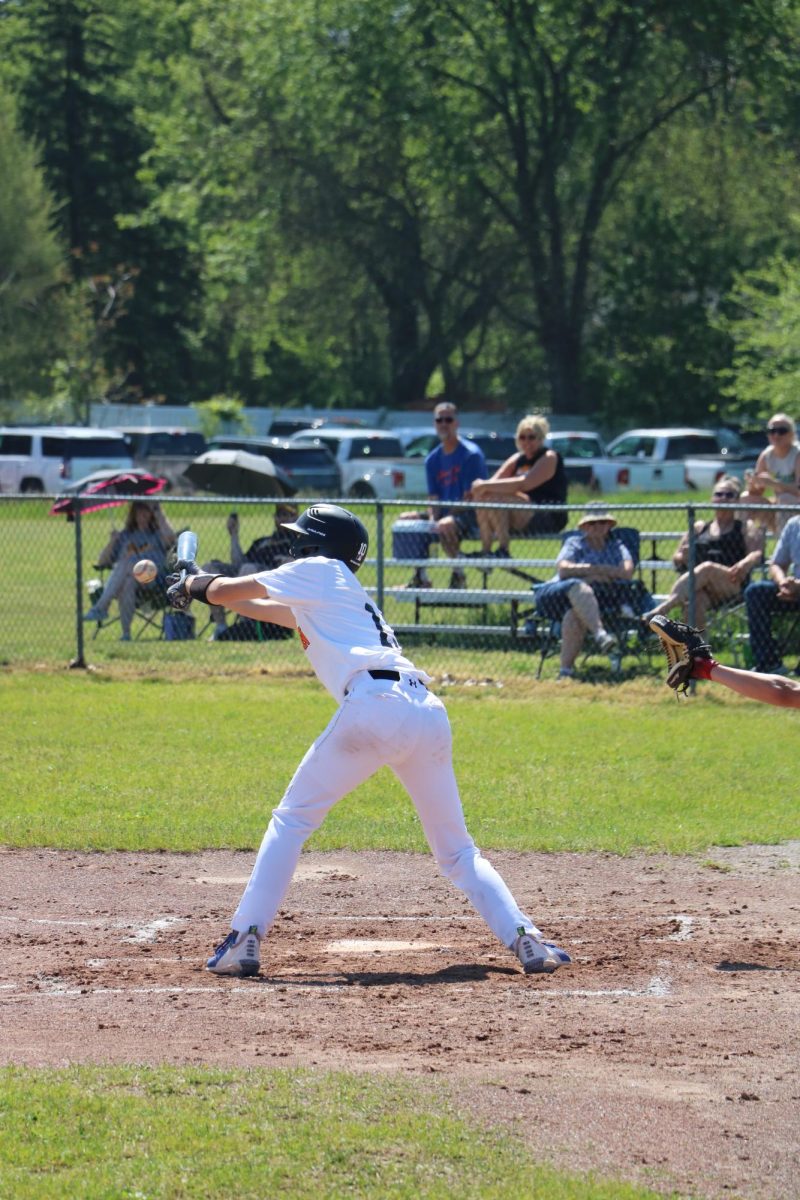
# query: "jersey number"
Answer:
x=384 y=632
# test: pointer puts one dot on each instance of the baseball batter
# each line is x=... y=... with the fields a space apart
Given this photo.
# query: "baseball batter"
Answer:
x=387 y=717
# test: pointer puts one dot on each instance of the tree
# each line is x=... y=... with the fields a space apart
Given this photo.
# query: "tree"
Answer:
x=71 y=64
x=330 y=225
x=556 y=103
x=764 y=376
x=31 y=262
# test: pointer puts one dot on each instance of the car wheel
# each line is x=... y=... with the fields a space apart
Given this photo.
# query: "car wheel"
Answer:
x=32 y=486
x=361 y=491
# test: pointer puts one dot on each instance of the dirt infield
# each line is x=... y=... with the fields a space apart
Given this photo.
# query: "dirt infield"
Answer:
x=667 y=1054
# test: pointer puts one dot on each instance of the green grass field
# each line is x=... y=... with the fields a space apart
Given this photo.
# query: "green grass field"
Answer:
x=93 y=762
x=139 y=756
x=140 y=1132
x=41 y=605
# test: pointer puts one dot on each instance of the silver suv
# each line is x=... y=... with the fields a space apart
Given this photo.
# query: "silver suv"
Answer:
x=43 y=458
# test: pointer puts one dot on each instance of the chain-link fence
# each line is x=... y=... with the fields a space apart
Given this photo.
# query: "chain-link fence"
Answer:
x=466 y=612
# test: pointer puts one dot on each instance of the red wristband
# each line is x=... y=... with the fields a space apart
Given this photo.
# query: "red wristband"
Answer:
x=701 y=668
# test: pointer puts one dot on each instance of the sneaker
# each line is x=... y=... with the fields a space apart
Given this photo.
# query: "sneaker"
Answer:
x=681 y=635
x=237 y=955
x=606 y=642
x=418 y=580
x=125 y=637
x=94 y=614
x=537 y=956
x=458 y=580
x=500 y=552
x=566 y=673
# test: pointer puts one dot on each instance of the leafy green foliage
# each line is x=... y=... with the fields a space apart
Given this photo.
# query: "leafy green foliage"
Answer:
x=333 y=203
x=764 y=375
x=32 y=259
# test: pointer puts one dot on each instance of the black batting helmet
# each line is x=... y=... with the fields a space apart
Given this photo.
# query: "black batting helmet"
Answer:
x=330 y=531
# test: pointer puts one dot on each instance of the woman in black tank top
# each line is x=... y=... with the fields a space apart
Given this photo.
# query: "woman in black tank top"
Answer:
x=535 y=476
x=726 y=550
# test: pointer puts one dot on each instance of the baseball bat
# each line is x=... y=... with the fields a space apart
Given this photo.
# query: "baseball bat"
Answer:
x=186 y=550
x=187 y=546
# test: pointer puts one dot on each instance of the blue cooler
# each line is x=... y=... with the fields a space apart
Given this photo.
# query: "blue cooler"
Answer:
x=412 y=539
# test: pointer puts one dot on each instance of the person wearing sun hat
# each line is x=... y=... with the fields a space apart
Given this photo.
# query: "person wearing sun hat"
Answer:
x=589 y=568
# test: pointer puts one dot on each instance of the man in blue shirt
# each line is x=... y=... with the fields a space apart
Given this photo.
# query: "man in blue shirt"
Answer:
x=780 y=593
x=452 y=467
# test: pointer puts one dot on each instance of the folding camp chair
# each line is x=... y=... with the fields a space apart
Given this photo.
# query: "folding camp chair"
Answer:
x=151 y=606
x=621 y=605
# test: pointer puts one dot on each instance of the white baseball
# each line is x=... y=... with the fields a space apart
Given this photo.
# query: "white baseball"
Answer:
x=145 y=571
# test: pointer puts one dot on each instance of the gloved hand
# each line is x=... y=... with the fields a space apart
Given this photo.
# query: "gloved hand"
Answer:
x=176 y=591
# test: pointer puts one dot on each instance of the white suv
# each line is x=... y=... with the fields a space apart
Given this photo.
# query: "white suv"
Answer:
x=42 y=458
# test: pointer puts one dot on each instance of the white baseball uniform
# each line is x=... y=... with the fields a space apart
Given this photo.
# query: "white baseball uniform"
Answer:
x=394 y=721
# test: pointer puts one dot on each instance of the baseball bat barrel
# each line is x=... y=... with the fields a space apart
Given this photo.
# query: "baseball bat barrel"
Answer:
x=187 y=546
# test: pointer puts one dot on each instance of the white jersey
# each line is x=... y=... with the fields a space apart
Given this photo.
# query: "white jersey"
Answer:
x=341 y=629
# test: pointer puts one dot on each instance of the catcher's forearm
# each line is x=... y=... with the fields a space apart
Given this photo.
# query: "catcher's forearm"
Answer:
x=768 y=689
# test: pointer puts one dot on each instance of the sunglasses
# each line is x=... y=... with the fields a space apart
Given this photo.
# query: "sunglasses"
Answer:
x=723 y=495
x=528 y=437
x=444 y=420
x=778 y=429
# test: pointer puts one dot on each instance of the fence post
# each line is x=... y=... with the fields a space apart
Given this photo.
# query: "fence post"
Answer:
x=379 y=553
x=79 y=661
x=690 y=512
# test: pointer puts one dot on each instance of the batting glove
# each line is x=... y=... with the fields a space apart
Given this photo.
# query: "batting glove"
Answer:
x=176 y=591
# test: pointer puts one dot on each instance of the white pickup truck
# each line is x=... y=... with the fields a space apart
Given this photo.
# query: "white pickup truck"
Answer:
x=371 y=462
x=652 y=460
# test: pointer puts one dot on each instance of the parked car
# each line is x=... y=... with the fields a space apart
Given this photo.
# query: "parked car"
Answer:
x=43 y=458
x=578 y=448
x=371 y=462
x=165 y=451
x=284 y=427
x=311 y=468
x=651 y=459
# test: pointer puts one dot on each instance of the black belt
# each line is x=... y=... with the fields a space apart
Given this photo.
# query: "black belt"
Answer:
x=393 y=675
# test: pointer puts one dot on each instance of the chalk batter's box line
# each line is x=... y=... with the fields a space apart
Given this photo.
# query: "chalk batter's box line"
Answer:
x=657 y=988
x=119 y=923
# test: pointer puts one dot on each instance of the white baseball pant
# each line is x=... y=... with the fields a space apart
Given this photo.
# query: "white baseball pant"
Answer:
x=380 y=723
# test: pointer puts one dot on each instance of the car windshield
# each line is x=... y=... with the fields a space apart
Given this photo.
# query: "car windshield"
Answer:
x=186 y=445
x=501 y=446
x=298 y=457
x=574 y=446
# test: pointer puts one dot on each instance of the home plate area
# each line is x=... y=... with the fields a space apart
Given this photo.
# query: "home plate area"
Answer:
x=665 y=1054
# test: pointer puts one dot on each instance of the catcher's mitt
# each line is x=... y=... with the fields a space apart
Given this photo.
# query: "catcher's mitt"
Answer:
x=684 y=648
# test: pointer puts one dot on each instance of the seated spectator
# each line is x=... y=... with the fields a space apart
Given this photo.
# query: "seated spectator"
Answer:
x=755 y=493
x=146 y=534
x=778 y=466
x=262 y=554
x=451 y=467
x=536 y=475
x=593 y=568
x=779 y=593
x=726 y=551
